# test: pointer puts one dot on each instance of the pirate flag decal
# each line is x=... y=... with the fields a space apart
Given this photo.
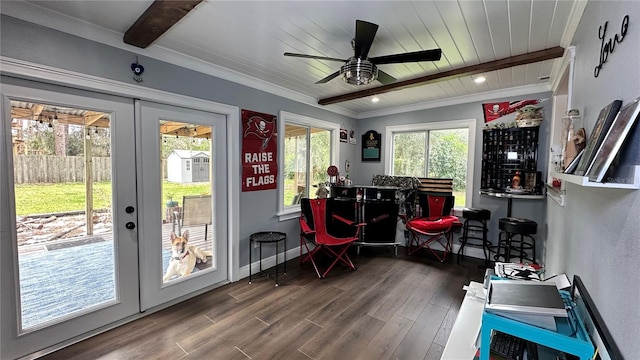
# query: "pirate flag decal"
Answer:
x=259 y=151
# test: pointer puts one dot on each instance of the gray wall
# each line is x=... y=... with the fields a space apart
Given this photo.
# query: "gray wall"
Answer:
x=596 y=235
x=34 y=43
x=531 y=209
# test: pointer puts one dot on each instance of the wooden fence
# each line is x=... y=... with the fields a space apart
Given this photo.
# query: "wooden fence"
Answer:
x=32 y=169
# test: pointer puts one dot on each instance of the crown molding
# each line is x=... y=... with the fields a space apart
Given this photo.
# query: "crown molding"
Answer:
x=483 y=96
x=577 y=10
x=560 y=67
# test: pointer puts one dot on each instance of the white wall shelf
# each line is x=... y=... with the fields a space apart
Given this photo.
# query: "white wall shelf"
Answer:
x=584 y=181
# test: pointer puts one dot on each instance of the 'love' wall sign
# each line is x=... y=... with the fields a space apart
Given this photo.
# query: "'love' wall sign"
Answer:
x=607 y=46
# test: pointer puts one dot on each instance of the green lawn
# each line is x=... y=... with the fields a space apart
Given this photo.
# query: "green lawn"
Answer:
x=460 y=198
x=54 y=198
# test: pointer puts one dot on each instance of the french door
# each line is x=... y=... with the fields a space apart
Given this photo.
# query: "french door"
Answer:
x=93 y=188
x=68 y=225
x=182 y=184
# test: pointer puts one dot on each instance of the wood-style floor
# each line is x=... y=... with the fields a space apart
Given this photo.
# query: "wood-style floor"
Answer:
x=392 y=307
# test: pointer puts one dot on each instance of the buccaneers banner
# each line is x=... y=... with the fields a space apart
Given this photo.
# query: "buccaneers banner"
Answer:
x=259 y=151
x=496 y=110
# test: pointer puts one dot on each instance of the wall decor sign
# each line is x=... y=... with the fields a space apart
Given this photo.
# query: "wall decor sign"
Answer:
x=371 y=142
x=259 y=151
x=607 y=47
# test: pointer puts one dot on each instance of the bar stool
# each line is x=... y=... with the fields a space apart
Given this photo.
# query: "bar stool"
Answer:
x=475 y=220
x=511 y=227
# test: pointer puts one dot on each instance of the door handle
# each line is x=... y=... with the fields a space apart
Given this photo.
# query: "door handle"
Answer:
x=130 y=225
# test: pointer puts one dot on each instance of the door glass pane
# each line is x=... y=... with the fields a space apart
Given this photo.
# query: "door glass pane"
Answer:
x=295 y=163
x=448 y=154
x=63 y=206
x=187 y=212
x=409 y=154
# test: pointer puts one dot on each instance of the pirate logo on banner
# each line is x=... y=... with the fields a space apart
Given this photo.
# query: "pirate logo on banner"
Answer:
x=259 y=151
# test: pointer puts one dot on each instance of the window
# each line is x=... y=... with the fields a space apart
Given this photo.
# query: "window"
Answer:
x=440 y=149
x=187 y=165
x=306 y=150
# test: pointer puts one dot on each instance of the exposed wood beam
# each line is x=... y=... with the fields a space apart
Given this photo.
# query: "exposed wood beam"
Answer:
x=156 y=20
x=91 y=117
x=36 y=110
x=512 y=61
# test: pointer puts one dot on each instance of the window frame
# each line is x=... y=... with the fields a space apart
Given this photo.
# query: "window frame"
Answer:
x=469 y=124
x=293 y=211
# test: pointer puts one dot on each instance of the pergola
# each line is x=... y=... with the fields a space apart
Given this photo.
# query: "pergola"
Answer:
x=59 y=115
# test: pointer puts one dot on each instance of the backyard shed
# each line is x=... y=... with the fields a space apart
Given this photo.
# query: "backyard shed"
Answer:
x=187 y=166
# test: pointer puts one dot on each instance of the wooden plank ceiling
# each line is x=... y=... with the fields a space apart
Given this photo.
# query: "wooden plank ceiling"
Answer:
x=244 y=42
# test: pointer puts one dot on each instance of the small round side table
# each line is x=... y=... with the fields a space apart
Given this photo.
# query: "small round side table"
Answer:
x=265 y=237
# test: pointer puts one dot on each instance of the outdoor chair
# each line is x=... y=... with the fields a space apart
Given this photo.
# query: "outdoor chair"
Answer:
x=299 y=195
x=196 y=210
x=434 y=225
x=316 y=240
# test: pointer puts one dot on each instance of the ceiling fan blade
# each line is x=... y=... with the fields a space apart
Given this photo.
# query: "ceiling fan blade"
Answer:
x=326 y=79
x=385 y=78
x=365 y=32
x=314 y=57
x=417 y=56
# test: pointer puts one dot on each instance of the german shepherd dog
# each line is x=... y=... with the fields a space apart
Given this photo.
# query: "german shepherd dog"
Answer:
x=183 y=256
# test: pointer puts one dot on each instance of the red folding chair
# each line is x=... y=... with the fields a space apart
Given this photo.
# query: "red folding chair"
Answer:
x=434 y=226
x=315 y=238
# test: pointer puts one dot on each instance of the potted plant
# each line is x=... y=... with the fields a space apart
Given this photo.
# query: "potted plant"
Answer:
x=170 y=203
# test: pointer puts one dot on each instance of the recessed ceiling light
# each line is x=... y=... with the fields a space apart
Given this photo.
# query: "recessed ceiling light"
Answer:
x=480 y=79
x=375 y=99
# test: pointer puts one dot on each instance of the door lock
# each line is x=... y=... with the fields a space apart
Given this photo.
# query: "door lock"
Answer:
x=129 y=209
x=130 y=225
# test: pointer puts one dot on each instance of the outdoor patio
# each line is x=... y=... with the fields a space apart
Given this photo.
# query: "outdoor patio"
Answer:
x=69 y=274
x=41 y=241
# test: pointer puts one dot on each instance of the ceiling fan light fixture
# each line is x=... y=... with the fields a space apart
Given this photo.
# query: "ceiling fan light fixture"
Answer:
x=359 y=72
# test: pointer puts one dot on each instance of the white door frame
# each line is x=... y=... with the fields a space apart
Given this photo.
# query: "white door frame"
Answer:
x=46 y=74
x=17 y=340
x=153 y=291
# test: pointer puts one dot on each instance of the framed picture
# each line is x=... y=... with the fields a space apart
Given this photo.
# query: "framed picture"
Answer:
x=607 y=114
x=614 y=139
x=343 y=135
x=574 y=163
x=371 y=143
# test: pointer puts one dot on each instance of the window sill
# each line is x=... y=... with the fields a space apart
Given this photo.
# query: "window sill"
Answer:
x=457 y=211
x=288 y=214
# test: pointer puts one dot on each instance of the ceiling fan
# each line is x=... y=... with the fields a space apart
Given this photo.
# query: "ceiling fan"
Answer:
x=361 y=70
